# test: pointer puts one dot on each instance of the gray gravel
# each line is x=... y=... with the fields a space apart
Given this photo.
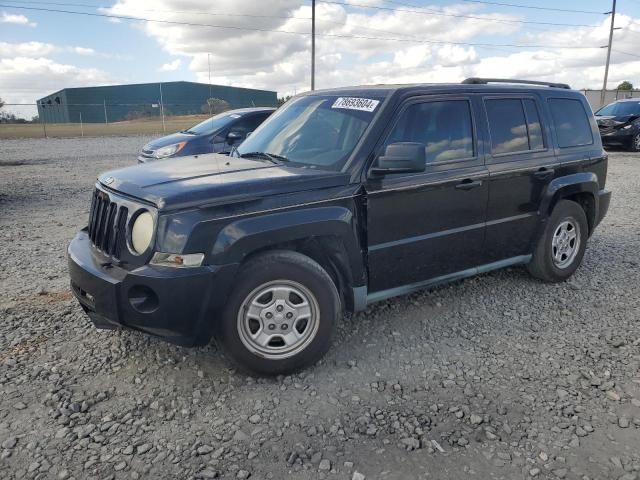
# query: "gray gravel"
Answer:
x=498 y=376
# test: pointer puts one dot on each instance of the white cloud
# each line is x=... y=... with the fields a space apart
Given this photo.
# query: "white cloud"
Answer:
x=171 y=66
x=280 y=61
x=361 y=46
x=39 y=49
x=17 y=19
x=83 y=51
x=26 y=49
x=24 y=79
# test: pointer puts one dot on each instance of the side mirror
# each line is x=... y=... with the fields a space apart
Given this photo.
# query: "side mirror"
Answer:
x=234 y=137
x=402 y=157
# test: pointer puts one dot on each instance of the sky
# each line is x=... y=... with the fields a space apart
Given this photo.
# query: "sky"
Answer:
x=266 y=43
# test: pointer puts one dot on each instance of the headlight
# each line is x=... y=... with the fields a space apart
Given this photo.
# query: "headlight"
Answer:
x=177 y=260
x=169 y=150
x=142 y=232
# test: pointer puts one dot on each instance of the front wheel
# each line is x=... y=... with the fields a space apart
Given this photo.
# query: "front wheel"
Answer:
x=560 y=249
x=281 y=315
x=635 y=143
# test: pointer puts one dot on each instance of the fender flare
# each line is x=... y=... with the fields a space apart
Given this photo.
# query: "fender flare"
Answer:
x=566 y=186
x=245 y=236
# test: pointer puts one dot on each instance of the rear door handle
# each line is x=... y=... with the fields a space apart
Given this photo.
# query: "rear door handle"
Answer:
x=543 y=173
x=468 y=184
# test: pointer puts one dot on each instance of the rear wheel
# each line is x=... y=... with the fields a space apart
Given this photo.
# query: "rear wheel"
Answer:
x=281 y=314
x=560 y=249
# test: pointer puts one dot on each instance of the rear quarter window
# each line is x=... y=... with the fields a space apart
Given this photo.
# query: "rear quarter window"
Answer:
x=571 y=122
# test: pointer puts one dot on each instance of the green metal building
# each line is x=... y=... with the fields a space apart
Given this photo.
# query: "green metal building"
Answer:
x=114 y=103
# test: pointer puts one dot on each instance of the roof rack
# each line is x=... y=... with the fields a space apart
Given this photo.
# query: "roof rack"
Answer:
x=478 y=81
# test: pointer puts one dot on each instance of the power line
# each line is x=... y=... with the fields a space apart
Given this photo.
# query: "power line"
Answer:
x=532 y=7
x=626 y=53
x=84 y=5
x=429 y=11
x=186 y=12
x=332 y=35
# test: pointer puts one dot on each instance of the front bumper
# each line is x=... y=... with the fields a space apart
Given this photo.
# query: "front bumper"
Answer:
x=618 y=137
x=177 y=304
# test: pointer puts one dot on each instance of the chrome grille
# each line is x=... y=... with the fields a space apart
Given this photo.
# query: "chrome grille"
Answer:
x=107 y=224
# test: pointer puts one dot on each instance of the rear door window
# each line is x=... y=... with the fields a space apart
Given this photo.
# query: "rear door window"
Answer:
x=508 y=126
x=444 y=127
x=572 y=124
x=534 y=128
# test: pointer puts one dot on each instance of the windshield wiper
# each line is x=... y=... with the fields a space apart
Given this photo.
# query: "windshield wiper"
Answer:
x=272 y=157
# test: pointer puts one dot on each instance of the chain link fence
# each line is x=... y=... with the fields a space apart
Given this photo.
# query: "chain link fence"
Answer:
x=30 y=120
x=20 y=120
x=593 y=96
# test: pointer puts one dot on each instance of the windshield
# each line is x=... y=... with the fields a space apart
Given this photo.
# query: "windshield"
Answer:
x=315 y=130
x=620 y=108
x=212 y=124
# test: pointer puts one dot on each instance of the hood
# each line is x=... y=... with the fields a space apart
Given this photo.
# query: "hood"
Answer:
x=168 y=140
x=611 y=120
x=214 y=179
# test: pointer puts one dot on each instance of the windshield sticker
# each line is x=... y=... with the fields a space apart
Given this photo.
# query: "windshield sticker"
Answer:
x=354 y=103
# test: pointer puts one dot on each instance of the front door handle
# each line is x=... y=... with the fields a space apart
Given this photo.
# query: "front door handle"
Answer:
x=468 y=184
x=544 y=173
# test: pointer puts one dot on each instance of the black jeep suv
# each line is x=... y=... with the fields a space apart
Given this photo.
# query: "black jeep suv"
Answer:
x=342 y=198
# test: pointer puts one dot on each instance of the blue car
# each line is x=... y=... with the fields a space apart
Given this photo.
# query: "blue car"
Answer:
x=217 y=134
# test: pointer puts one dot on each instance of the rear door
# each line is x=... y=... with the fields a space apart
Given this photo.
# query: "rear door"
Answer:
x=521 y=163
x=430 y=224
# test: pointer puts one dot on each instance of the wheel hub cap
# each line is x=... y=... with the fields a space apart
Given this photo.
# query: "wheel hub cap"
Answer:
x=565 y=243
x=278 y=319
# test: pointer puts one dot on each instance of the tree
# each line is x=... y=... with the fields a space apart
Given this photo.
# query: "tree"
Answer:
x=1 y=103
x=283 y=100
x=215 y=106
x=625 y=86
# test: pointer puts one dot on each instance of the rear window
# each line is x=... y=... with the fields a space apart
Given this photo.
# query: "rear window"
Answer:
x=572 y=124
x=514 y=124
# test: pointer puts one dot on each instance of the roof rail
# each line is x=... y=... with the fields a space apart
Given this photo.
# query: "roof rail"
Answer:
x=478 y=81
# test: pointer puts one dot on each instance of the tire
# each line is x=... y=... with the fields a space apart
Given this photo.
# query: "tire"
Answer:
x=280 y=316
x=555 y=261
x=635 y=143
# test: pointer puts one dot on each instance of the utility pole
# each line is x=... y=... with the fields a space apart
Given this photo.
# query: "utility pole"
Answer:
x=162 y=110
x=606 y=67
x=313 y=44
x=209 y=64
x=104 y=104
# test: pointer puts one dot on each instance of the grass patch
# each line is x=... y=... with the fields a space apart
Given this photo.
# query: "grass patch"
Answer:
x=129 y=127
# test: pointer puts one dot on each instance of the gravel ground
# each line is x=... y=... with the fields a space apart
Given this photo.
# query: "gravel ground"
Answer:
x=499 y=376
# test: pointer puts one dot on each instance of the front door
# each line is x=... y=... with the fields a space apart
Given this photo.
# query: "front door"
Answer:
x=431 y=224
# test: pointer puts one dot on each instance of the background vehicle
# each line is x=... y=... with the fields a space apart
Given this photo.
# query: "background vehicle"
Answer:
x=217 y=134
x=341 y=199
x=619 y=124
